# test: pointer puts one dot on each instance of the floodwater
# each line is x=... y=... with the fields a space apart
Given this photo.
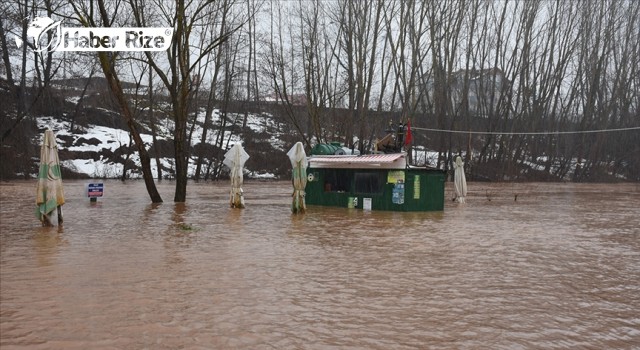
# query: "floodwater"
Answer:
x=557 y=268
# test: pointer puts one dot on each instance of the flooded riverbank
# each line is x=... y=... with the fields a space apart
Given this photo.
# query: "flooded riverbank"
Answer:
x=520 y=266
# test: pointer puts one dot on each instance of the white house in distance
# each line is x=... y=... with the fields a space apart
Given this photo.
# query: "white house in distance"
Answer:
x=485 y=87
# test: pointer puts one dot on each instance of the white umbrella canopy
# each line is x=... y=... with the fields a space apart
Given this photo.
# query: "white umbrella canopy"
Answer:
x=49 y=192
x=235 y=159
x=299 y=163
x=459 y=180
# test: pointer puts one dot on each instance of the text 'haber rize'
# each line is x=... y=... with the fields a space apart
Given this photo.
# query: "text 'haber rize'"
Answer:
x=132 y=40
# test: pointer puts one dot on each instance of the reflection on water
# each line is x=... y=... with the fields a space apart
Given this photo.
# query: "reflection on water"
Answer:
x=519 y=266
x=46 y=242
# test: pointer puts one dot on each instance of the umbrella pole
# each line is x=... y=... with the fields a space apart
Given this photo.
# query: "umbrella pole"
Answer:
x=60 y=215
x=46 y=222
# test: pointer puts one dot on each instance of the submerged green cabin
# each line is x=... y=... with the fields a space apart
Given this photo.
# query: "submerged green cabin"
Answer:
x=373 y=182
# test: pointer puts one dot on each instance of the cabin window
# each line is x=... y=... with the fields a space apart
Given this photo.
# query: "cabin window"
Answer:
x=336 y=180
x=370 y=183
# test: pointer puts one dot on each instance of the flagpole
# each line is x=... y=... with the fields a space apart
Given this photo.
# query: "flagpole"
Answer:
x=408 y=139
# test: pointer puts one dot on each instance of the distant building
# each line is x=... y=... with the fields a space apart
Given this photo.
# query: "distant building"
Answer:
x=295 y=99
x=93 y=84
x=482 y=85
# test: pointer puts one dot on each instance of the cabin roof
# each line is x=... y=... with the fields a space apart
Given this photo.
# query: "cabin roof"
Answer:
x=375 y=161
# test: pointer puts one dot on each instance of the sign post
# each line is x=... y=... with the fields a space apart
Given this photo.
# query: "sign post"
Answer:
x=95 y=190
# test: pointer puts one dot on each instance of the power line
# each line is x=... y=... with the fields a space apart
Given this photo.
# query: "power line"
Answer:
x=527 y=133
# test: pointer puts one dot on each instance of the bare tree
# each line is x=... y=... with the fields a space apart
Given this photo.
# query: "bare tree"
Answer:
x=360 y=28
x=213 y=88
x=318 y=51
x=43 y=63
x=91 y=17
x=182 y=62
x=280 y=67
x=445 y=25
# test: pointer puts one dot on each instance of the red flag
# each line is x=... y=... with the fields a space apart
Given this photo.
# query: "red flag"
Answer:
x=409 y=137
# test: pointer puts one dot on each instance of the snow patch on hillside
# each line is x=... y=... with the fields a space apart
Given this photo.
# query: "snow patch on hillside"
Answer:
x=97 y=138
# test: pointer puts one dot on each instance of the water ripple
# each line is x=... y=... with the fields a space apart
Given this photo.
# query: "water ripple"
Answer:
x=558 y=268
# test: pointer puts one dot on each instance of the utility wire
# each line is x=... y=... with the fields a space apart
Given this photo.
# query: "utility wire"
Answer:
x=527 y=133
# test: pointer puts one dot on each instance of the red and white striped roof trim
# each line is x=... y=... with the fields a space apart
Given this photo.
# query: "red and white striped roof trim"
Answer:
x=360 y=161
x=368 y=158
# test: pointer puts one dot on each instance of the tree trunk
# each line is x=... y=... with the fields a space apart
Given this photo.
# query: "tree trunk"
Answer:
x=145 y=160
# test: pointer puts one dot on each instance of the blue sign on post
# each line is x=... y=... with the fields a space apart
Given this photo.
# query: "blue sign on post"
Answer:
x=95 y=190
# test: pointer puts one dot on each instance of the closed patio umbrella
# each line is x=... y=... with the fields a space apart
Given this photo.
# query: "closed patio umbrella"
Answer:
x=49 y=192
x=459 y=180
x=235 y=159
x=299 y=163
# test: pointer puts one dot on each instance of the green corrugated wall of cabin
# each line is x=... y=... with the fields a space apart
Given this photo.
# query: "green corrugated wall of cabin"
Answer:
x=423 y=190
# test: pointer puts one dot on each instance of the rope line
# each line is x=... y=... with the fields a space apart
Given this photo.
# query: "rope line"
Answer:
x=527 y=133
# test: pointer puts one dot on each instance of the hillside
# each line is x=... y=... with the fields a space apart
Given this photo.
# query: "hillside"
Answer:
x=94 y=141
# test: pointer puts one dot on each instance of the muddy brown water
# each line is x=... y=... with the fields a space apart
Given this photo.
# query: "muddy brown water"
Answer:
x=557 y=268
